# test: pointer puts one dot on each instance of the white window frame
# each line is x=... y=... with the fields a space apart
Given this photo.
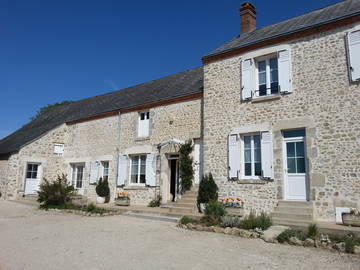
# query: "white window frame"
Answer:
x=141 y=130
x=139 y=170
x=58 y=149
x=268 y=75
x=74 y=172
x=104 y=169
x=242 y=154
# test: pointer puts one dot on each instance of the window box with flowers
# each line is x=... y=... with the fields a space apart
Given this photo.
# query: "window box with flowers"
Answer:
x=233 y=206
x=123 y=199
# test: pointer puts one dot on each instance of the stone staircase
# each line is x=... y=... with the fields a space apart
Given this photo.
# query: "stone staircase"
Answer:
x=293 y=213
x=187 y=204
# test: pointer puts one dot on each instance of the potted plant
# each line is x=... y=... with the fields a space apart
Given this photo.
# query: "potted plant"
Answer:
x=208 y=191
x=102 y=190
x=123 y=199
x=233 y=206
x=352 y=218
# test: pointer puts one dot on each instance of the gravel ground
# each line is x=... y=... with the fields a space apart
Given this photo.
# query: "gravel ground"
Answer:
x=35 y=239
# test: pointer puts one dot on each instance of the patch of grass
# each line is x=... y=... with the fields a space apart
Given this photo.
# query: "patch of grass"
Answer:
x=286 y=235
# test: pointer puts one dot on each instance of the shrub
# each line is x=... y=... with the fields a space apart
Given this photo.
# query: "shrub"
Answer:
x=263 y=221
x=208 y=190
x=56 y=193
x=186 y=220
x=230 y=221
x=312 y=231
x=249 y=221
x=155 y=202
x=186 y=169
x=286 y=235
x=90 y=207
x=102 y=188
x=214 y=208
x=210 y=220
x=350 y=243
x=252 y=221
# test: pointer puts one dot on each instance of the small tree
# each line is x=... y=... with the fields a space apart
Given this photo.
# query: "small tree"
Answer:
x=208 y=190
x=186 y=166
x=55 y=193
x=102 y=188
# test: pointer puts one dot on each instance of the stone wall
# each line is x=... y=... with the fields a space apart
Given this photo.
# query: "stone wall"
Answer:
x=40 y=151
x=102 y=140
x=323 y=102
x=181 y=121
x=3 y=177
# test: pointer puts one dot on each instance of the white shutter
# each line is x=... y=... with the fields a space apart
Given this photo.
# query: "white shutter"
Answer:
x=284 y=69
x=122 y=170
x=246 y=82
x=353 y=41
x=94 y=172
x=266 y=154
x=234 y=156
x=151 y=169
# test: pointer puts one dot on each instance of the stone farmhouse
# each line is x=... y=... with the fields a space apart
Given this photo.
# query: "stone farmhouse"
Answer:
x=274 y=115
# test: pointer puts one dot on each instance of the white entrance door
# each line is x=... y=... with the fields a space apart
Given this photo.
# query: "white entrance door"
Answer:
x=78 y=178
x=197 y=161
x=295 y=169
x=32 y=180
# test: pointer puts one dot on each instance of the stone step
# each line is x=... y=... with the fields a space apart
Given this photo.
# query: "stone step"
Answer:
x=295 y=210
x=295 y=204
x=184 y=204
x=182 y=210
x=187 y=200
x=292 y=216
x=291 y=222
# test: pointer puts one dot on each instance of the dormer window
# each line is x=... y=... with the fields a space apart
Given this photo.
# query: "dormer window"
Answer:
x=143 y=126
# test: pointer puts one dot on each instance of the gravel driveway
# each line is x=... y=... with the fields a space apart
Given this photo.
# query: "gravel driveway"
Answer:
x=35 y=239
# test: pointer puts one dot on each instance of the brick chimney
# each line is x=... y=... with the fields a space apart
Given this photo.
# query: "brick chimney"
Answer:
x=247 y=17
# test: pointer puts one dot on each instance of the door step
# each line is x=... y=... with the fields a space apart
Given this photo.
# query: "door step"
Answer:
x=293 y=213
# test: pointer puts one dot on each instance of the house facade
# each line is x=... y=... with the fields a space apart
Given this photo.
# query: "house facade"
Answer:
x=273 y=114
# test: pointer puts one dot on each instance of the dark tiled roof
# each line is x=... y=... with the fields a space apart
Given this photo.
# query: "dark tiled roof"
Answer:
x=173 y=86
x=341 y=10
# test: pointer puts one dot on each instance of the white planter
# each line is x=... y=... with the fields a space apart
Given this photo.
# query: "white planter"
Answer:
x=100 y=200
x=202 y=207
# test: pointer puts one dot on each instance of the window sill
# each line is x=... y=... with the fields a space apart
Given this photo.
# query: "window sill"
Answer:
x=265 y=98
x=136 y=188
x=139 y=139
x=253 y=181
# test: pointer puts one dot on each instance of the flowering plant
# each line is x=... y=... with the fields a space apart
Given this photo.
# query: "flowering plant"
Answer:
x=232 y=202
x=123 y=196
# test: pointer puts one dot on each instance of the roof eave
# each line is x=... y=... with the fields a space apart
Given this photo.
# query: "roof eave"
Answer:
x=209 y=56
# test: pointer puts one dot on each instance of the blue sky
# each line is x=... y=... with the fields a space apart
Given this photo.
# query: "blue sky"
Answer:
x=52 y=51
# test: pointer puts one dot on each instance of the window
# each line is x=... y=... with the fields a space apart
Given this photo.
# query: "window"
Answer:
x=32 y=171
x=58 y=149
x=77 y=175
x=295 y=157
x=105 y=169
x=252 y=155
x=143 y=128
x=267 y=74
x=138 y=169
